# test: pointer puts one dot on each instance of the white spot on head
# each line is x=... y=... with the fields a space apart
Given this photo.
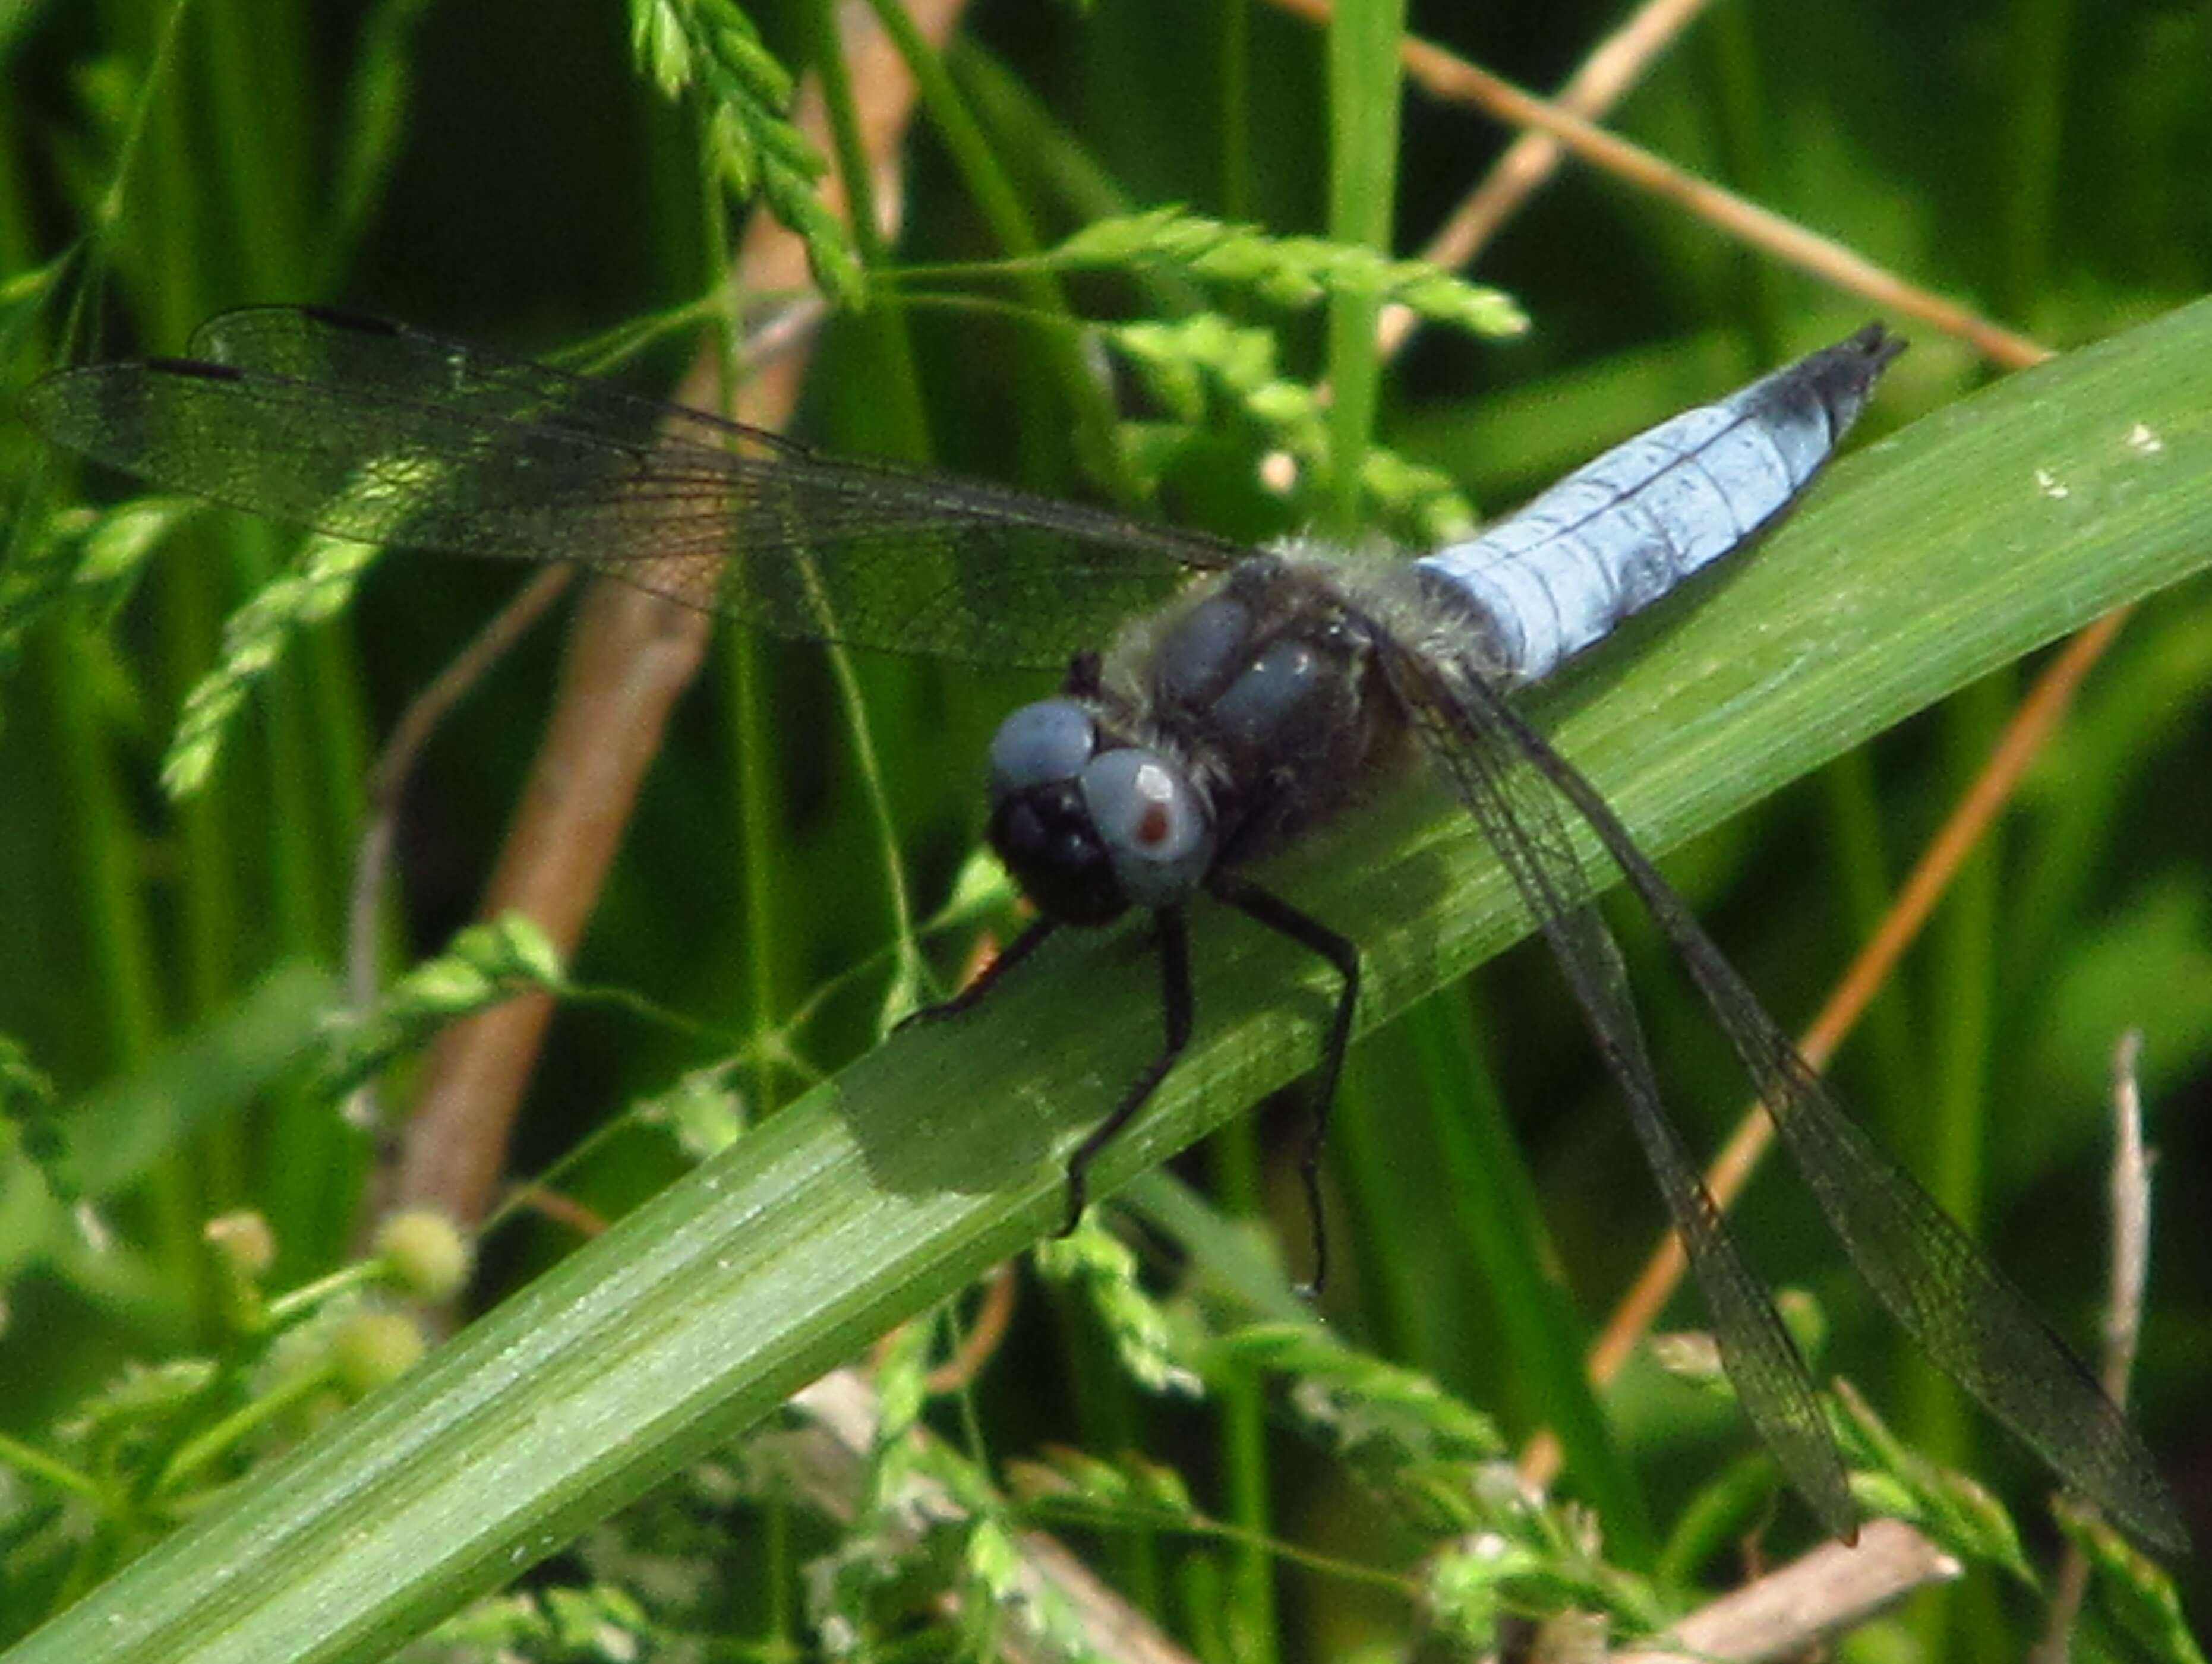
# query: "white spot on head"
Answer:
x=2049 y=484
x=1154 y=818
x=1278 y=472
x=1151 y=822
x=2143 y=439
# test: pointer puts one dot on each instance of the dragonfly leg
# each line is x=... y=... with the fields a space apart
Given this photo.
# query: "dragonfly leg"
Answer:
x=1176 y=1004
x=1269 y=909
x=987 y=979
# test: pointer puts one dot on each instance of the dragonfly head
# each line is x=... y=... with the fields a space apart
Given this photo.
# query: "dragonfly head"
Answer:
x=1089 y=830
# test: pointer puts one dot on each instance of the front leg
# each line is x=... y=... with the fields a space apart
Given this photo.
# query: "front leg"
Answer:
x=987 y=979
x=1177 y=1006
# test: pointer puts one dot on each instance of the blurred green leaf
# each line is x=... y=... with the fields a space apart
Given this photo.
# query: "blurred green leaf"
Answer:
x=110 y=1138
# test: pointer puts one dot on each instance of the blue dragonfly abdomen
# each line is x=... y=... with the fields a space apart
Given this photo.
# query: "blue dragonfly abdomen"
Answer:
x=1622 y=530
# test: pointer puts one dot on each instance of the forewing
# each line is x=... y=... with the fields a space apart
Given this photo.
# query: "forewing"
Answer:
x=1969 y=1318
x=1507 y=795
x=374 y=431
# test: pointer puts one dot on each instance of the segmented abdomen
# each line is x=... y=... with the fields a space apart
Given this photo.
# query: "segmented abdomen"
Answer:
x=1620 y=531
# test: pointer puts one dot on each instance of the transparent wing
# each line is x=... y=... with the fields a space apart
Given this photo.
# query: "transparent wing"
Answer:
x=1943 y=1291
x=375 y=431
x=1511 y=803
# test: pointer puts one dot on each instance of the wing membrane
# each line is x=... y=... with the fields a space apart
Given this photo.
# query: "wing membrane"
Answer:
x=1518 y=816
x=378 y=432
x=1969 y=1318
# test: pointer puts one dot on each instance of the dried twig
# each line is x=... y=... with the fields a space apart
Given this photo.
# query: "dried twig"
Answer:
x=387 y=788
x=2123 y=1304
x=1783 y=1614
x=1612 y=67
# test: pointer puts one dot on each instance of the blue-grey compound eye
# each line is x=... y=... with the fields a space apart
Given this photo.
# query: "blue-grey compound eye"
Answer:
x=1050 y=740
x=1155 y=827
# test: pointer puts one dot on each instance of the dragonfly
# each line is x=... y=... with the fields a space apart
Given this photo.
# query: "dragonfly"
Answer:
x=1247 y=696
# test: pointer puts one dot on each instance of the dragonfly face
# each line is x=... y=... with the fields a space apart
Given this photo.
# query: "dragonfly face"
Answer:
x=1209 y=738
x=1268 y=699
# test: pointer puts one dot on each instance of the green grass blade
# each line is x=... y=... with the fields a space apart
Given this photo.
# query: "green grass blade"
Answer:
x=1362 y=186
x=1973 y=537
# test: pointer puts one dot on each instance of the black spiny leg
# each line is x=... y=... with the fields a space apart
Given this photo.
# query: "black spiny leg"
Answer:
x=987 y=979
x=1342 y=952
x=1175 y=1003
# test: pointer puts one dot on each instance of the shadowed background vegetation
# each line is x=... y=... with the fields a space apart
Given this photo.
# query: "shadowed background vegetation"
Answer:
x=504 y=172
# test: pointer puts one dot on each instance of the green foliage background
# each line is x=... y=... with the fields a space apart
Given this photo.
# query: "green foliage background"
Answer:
x=502 y=172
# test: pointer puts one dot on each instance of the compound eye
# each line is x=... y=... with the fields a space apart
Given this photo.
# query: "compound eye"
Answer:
x=1040 y=744
x=1154 y=825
